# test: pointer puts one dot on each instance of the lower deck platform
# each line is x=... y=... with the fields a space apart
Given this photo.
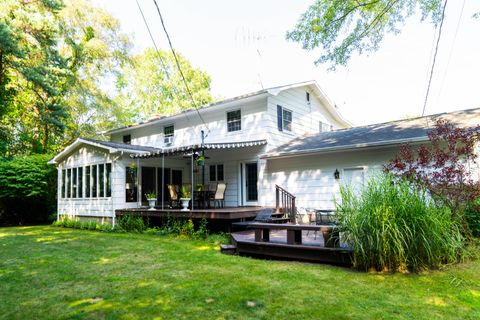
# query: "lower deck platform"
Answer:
x=312 y=248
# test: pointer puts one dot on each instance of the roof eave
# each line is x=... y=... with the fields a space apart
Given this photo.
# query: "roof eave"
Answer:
x=334 y=149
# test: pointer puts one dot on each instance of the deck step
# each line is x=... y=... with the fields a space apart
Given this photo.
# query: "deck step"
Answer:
x=228 y=248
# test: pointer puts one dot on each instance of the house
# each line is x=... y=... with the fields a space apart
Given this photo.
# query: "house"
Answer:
x=97 y=177
x=292 y=136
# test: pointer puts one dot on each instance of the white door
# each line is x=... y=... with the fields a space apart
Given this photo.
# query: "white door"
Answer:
x=355 y=178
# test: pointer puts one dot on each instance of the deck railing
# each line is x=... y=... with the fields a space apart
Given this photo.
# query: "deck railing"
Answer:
x=285 y=203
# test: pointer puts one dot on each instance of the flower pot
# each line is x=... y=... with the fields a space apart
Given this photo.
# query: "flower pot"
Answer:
x=151 y=203
x=185 y=202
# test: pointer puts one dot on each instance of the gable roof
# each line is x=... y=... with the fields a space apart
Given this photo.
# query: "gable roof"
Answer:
x=111 y=147
x=312 y=84
x=375 y=135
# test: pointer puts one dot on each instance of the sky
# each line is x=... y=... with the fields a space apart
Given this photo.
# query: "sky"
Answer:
x=242 y=46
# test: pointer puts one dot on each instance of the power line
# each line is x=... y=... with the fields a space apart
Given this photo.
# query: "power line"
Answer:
x=451 y=48
x=180 y=69
x=434 y=59
x=163 y=64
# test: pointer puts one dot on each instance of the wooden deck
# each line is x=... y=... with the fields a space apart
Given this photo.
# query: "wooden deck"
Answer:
x=312 y=248
x=219 y=219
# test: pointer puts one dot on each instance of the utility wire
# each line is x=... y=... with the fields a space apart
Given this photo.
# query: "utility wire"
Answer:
x=451 y=48
x=180 y=69
x=434 y=59
x=162 y=62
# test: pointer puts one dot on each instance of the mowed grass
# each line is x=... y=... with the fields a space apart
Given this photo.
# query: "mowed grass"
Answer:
x=55 y=273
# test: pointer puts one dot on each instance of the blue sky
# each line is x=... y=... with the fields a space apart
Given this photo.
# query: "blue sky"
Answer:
x=242 y=45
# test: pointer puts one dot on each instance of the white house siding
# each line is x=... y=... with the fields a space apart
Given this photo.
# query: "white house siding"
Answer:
x=311 y=177
x=188 y=128
x=305 y=116
x=92 y=207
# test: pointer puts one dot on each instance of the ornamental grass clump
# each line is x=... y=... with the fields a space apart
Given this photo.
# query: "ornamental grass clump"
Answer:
x=395 y=226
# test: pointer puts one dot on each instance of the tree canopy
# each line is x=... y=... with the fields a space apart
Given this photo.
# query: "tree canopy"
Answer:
x=152 y=85
x=344 y=27
x=66 y=70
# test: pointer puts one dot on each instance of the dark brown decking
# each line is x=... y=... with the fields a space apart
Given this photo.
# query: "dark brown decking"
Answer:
x=236 y=213
x=312 y=247
x=217 y=219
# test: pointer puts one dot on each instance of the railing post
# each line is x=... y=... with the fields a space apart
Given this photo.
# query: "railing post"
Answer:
x=277 y=199
x=294 y=211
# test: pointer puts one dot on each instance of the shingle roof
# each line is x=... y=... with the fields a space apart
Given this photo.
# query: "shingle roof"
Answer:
x=388 y=133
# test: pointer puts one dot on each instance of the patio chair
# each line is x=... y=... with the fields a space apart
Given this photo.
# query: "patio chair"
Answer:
x=219 y=196
x=173 y=196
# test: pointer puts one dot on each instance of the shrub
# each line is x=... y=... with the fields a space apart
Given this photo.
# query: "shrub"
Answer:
x=472 y=215
x=443 y=167
x=128 y=223
x=68 y=222
x=394 y=225
x=28 y=190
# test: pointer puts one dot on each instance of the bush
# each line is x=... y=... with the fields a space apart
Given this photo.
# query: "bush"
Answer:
x=28 y=190
x=393 y=225
x=472 y=216
x=129 y=223
x=75 y=223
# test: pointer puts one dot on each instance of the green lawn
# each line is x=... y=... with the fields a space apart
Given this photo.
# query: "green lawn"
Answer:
x=56 y=273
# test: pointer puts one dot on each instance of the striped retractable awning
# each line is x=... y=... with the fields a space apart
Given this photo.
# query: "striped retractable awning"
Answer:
x=198 y=147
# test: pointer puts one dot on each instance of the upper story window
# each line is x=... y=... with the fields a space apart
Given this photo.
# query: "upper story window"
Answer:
x=234 y=121
x=307 y=96
x=168 y=132
x=127 y=139
x=284 y=119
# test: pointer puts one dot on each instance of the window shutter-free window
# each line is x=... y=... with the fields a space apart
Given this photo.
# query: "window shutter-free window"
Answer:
x=279 y=118
x=287 y=120
x=234 y=121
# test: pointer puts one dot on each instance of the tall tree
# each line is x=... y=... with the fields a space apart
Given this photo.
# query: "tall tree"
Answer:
x=32 y=72
x=152 y=85
x=343 y=27
x=95 y=50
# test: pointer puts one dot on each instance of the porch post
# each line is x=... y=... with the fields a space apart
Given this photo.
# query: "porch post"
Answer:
x=192 y=182
x=163 y=178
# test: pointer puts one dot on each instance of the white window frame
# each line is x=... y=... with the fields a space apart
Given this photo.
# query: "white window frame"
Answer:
x=284 y=127
x=239 y=120
x=168 y=138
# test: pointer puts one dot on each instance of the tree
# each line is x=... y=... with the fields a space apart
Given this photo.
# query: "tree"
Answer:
x=343 y=27
x=152 y=85
x=443 y=167
x=95 y=50
x=55 y=61
x=32 y=71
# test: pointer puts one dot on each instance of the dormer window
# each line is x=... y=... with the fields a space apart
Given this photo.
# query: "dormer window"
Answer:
x=168 y=132
x=234 y=121
x=127 y=139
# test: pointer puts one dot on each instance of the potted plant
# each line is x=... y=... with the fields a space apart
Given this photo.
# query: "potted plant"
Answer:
x=201 y=161
x=185 y=197
x=152 y=199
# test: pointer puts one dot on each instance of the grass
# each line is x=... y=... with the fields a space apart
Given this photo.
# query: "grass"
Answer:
x=58 y=273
